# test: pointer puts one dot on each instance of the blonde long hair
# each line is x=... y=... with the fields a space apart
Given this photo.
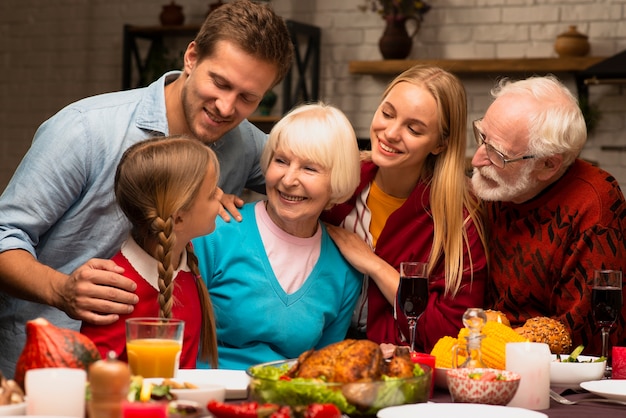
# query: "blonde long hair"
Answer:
x=452 y=204
x=154 y=179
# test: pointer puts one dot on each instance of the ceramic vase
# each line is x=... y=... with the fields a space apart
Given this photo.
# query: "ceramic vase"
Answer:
x=395 y=43
x=172 y=15
x=572 y=43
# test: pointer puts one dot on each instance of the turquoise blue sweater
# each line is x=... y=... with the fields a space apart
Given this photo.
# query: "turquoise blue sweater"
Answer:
x=256 y=320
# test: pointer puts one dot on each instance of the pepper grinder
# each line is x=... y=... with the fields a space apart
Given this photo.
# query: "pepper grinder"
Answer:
x=109 y=382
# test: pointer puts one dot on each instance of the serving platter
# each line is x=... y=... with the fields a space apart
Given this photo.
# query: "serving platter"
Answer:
x=465 y=410
x=611 y=389
x=235 y=381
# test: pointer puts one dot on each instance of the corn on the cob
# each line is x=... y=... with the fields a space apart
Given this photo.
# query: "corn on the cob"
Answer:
x=443 y=352
x=493 y=345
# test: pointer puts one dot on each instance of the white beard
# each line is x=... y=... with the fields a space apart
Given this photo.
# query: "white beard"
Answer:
x=504 y=190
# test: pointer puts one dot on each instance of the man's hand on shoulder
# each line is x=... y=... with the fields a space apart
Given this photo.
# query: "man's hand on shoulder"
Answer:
x=96 y=292
x=230 y=207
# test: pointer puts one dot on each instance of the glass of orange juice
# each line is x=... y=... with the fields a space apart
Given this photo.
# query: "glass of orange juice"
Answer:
x=154 y=346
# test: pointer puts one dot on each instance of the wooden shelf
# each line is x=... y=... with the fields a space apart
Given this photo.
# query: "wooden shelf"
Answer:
x=164 y=30
x=264 y=118
x=478 y=66
x=264 y=123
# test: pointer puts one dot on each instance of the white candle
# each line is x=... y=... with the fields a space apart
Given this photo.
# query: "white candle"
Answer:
x=532 y=362
x=55 y=391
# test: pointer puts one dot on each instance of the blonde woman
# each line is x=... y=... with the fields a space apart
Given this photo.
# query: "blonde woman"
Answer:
x=414 y=204
x=167 y=188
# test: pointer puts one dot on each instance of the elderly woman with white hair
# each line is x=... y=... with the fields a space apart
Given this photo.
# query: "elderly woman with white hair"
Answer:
x=278 y=283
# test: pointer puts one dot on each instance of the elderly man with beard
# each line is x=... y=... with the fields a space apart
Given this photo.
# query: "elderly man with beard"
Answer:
x=552 y=217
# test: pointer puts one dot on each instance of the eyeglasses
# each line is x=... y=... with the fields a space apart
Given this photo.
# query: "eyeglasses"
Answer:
x=496 y=157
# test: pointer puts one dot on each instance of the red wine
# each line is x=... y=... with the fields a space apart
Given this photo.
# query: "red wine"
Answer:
x=413 y=296
x=607 y=304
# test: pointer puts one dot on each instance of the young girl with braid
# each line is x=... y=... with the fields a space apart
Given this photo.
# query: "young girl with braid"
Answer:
x=167 y=188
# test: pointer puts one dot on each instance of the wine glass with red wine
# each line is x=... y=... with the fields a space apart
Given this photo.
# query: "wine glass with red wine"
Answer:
x=413 y=294
x=606 y=300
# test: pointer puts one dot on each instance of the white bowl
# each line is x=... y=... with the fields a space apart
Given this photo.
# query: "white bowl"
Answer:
x=13 y=409
x=571 y=375
x=236 y=381
x=202 y=394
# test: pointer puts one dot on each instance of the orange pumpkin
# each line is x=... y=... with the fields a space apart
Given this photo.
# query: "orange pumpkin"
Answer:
x=50 y=346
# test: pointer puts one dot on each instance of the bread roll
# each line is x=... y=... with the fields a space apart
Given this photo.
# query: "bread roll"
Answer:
x=497 y=316
x=547 y=330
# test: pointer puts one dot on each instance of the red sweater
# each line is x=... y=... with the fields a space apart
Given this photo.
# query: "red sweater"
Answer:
x=543 y=252
x=407 y=236
x=186 y=307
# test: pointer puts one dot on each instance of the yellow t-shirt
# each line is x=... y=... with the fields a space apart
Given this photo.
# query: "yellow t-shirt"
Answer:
x=381 y=206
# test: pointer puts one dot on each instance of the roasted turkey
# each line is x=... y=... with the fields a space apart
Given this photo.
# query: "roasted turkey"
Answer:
x=352 y=361
x=355 y=364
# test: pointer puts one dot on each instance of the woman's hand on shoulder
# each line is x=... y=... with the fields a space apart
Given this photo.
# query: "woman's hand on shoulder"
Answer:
x=352 y=247
x=362 y=258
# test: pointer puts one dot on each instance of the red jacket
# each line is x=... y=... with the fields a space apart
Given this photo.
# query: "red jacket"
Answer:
x=408 y=236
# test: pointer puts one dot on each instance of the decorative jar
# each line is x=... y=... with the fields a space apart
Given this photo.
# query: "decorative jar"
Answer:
x=396 y=42
x=572 y=43
x=172 y=15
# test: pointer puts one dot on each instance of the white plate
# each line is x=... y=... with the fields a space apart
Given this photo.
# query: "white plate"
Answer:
x=236 y=381
x=612 y=389
x=465 y=410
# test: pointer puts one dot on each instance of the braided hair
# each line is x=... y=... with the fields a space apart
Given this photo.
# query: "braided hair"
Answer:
x=154 y=179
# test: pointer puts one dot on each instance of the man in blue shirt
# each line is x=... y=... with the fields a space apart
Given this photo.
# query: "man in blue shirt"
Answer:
x=59 y=222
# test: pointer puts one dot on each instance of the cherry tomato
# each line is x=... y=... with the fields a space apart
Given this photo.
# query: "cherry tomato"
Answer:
x=488 y=376
x=283 y=412
x=327 y=410
x=231 y=410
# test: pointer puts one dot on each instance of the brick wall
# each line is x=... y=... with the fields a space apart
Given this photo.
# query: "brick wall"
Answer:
x=56 y=51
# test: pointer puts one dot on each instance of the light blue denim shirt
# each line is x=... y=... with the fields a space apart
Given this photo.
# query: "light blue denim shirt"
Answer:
x=60 y=205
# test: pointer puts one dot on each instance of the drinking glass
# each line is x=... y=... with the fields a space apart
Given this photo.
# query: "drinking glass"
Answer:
x=412 y=294
x=154 y=346
x=606 y=300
